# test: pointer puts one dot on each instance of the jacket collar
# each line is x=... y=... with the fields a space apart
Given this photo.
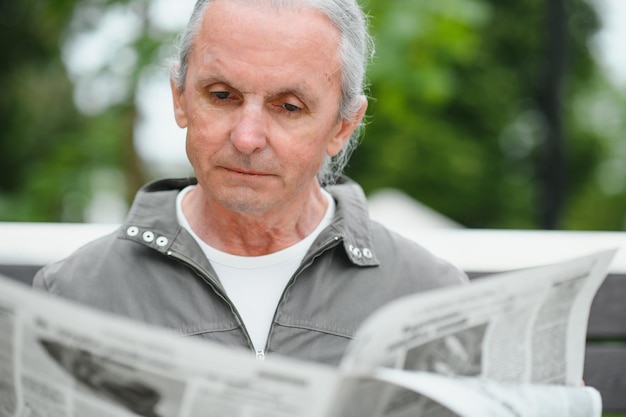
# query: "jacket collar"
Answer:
x=152 y=220
x=352 y=221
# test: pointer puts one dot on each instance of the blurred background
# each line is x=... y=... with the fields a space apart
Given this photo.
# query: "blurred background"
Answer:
x=494 y=114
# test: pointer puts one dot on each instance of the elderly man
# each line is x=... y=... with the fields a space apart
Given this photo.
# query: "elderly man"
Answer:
x=267 y=248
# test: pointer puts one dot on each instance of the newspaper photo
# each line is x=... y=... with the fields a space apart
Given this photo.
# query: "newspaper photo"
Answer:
x=523 y=326
x=511 y=344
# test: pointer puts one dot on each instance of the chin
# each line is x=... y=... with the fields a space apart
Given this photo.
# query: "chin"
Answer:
x=246 y=202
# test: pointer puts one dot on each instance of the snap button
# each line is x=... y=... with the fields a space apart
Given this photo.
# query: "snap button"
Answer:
x=367 y=253
x=162 y=241
x=132 y=231
x=148 y=236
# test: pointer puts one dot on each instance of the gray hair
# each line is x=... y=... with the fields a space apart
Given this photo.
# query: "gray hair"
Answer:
x=356 y=50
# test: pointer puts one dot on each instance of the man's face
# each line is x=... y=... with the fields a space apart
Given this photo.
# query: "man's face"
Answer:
x=261 y=104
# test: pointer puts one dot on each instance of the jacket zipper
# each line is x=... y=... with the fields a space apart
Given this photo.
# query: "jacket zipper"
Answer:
x=260 y=353
x=207 y=278
x=306 y=262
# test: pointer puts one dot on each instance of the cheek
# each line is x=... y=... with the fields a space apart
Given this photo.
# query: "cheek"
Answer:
x=205 y=129
x=192 y=152
x=305 y=160
x=199 y=145
x=312 y=144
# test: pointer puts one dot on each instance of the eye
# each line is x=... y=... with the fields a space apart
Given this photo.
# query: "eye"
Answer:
x=291 y=108
x=220 y=95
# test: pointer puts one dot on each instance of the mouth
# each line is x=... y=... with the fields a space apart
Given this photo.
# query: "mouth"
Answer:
x=246 y=172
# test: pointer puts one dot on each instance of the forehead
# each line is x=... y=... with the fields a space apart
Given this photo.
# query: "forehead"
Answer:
x=240 y=36
x=263 y=17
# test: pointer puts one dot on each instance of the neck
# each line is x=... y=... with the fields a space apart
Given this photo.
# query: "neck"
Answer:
x=253 y=234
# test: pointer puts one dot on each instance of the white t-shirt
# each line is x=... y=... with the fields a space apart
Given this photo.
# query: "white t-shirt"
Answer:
x=255 y=283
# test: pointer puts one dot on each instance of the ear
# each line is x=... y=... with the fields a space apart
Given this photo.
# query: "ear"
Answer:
x=346 y=128
x=179 y=108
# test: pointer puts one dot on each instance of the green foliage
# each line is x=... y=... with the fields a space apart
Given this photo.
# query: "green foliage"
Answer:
x=37 y=116
x=50 y=153
x=455 y=118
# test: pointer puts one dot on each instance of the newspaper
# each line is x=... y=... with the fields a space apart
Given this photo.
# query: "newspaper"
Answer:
x=505 y=345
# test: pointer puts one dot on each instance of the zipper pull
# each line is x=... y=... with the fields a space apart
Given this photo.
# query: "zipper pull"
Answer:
x=260 y=355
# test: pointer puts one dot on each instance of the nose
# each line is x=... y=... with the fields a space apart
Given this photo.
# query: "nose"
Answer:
x=248 y=134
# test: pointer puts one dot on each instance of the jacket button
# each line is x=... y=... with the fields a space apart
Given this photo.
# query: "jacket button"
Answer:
x=132 y=231
x=356 y=252
x=148 y=236
x=367 y=253
x=162 y=241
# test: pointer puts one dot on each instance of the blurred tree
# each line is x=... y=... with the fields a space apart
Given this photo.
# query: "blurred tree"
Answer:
x=53 y=157
x=551 y=166
x=48 y=150
x=36 y=116
x=466 y=99
x=462 y=110
x=107 y=87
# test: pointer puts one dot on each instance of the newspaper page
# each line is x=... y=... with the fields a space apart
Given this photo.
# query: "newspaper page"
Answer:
x=58 y=359
x=396 y=393
x=523 y=326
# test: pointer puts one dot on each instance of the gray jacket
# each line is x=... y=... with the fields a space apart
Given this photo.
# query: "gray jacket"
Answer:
x=152 y=270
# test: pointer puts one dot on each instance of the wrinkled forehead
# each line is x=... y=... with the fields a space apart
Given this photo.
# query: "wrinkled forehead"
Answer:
x=288 y=24
x=324 y=8
x=245 y=36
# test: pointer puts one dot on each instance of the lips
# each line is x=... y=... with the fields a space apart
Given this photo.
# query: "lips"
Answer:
x=244 y=165
x=245 y=171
